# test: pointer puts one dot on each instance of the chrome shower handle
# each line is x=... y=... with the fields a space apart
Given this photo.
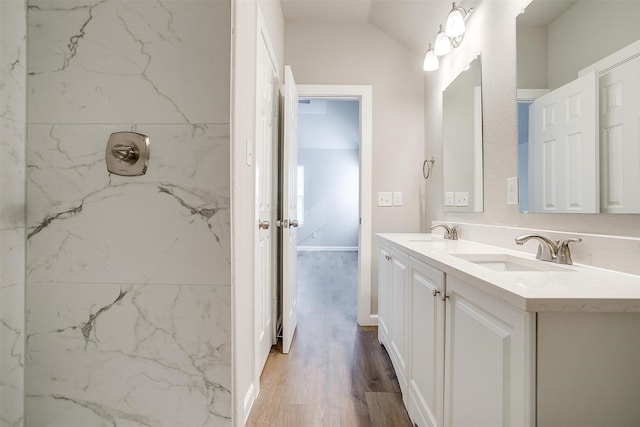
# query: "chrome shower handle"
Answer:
x=126 y=153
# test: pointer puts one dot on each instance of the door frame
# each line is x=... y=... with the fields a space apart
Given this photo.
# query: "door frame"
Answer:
x=364 y=94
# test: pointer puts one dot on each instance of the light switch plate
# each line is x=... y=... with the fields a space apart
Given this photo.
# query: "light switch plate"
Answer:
x=448 y=198
x=512 y=190
x=385 y=198
x=397 y=198
x=461 y=198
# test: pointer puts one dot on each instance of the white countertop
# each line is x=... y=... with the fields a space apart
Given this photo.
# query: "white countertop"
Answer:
x=573 y=288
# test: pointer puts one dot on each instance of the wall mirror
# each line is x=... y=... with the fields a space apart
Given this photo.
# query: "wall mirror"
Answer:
x=462 y=141
x=578 y=106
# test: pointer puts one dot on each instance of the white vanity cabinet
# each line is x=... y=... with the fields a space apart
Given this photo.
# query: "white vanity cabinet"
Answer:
x=489 y=354
x=462 y=357
x=476 y=347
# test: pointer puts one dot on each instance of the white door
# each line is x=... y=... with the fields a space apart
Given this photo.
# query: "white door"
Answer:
x=620 y=138
x=289 y=222
x=266 y=128
x=563 y=149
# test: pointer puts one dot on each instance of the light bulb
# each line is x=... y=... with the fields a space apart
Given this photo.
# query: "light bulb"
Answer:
x=431 y=62
x=455 y=22
x=442 y=44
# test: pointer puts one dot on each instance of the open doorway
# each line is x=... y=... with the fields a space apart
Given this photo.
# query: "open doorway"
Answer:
x=328 y=205
x=334 y=143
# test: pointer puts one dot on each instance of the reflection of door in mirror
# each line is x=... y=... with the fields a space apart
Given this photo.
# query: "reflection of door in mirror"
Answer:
x=563 y=149
x=620 y=137
x=559 y=41
x=462 y=142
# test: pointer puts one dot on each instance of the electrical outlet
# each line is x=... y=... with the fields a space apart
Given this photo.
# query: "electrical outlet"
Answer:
x=314 y=234
x=512 y=190
x=448 y=198
x=397 y=198
x=385 y=198
x=462 y=198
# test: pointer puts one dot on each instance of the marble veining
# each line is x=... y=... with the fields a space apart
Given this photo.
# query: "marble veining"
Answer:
x=12 y=173
x=168 y=226
x=128 y=355
x=115 y=61
x=12 y=210
x=12 y=60
x=11 y=326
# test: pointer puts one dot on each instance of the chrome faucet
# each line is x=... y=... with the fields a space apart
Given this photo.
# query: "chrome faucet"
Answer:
x=450 y=233
x=549 y=250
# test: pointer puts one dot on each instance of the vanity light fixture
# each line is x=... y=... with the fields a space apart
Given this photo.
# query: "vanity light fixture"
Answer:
x=455 y=22
x=431 y=62
x=442 y=45
x=448 y=37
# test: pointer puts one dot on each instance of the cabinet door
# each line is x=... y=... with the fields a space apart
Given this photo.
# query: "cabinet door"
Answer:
x=426 y=345
x=489 y=370
x=398 y=328
x=383 y=295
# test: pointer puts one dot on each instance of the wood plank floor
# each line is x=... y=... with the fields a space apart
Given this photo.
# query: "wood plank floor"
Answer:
x=337 y=374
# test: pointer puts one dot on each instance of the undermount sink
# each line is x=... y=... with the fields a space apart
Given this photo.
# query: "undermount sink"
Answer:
x=505 y=262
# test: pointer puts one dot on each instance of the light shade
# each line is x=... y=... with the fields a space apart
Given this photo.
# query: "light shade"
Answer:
x=442 y=44
x=431 y=62
x=455 y=22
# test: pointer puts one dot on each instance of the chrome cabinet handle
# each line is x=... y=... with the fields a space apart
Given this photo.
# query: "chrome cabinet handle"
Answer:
x=435 y=292
x=263 y=225
x=293 y=223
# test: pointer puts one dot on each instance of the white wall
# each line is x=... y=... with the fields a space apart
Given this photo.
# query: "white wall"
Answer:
x=243 y=107
x=331 y=197
x=587 y=32
x=491 y=31
x=362 y=54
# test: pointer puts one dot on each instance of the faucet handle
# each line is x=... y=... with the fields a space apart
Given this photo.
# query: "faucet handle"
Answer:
x=454 y=232
x=564 y=254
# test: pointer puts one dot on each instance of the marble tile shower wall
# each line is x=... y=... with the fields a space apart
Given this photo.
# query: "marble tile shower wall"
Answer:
x=128 y=279
x=12 y=222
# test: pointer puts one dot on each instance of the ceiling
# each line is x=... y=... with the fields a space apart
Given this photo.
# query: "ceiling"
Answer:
x=414 y=23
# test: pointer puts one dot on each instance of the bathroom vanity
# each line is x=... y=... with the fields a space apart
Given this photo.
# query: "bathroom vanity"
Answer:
x=484 y=336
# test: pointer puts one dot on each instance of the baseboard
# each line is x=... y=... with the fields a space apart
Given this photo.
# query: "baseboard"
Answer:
x=329 y=248
x=249 y=398
x=372 y=320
